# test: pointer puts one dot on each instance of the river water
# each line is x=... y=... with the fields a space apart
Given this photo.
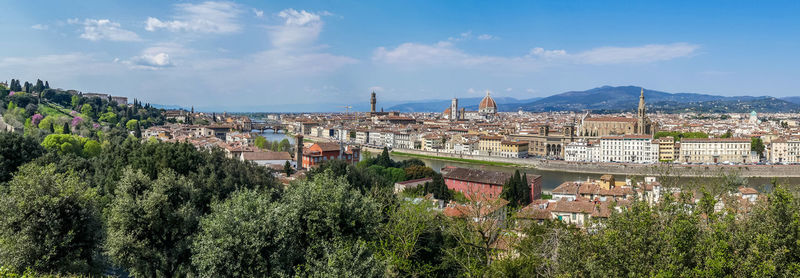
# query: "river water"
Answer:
x=552 y=179
x=277 y=137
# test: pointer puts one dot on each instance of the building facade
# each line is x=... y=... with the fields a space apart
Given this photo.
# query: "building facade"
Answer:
x=715 y=150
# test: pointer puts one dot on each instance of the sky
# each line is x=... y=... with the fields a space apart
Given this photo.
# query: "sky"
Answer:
x=323 y=55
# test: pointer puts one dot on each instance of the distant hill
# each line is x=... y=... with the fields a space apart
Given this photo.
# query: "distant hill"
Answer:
x=440 y=105
x=795 y=100
x=626 y=98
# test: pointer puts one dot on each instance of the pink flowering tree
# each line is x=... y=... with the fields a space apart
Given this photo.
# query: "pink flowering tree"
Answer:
x=76 y=121
x=36 y=118
x=73 y=113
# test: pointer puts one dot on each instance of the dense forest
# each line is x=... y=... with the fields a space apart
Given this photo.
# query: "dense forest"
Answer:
x=126 y=206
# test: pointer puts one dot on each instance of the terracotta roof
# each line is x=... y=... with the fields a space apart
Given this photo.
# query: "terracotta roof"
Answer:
x=715 y=140
x=479 y=176
x=747 y=190
x=487 y=102
x=611 y=119
x=266 y=155
x=327 y=146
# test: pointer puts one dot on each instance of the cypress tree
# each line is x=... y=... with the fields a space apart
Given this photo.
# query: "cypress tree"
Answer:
x=526 y=190
x=65 y=129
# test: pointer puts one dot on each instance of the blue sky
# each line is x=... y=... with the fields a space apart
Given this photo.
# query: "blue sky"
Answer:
x=319 y=55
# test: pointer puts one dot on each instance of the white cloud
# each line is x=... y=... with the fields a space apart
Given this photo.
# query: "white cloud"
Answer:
x=259 y=13
x=40 y=27
x=375 y=89
x=446 y=54
x=206 y=17
x=152 y=61
x=299 y=28
x=541 y=52
x=158 y=56
x=441 y=53
x=638 y=54
x=509 y=89
x=484 y=37
x=104 y=29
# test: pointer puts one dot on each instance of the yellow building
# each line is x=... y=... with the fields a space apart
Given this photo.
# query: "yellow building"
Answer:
x=667 y=148
x=513 y=149
x=489 y=145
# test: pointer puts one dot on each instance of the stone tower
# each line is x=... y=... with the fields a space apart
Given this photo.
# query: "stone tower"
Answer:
x=372 y=102
x=641 y=127
x=454 y=110
x=299 y=155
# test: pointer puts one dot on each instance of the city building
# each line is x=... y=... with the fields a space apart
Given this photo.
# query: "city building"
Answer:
x=668 y=148
x=513 y=149
x=321 y=152
x=784 y=151
x=715 y=150
x=484 y=184
x=628 y=148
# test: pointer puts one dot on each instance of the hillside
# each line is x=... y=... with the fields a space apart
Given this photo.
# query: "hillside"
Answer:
x=626 y=98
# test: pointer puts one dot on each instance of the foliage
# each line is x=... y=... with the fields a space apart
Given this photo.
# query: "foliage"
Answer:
x=132 y=124
x=16 y=150
x=64 y=143
x=679 y=135
x=235 y=238
x=517 y=191
x=49 y=222
x=411 y=241
x=150 y=224
x=757 y=145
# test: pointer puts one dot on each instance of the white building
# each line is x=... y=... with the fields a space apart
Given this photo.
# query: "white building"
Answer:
x=784 y=151
x=715 y=150
x=628 y=148
x=582 y=151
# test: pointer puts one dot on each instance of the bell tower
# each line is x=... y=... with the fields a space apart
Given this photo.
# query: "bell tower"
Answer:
x=641 y=127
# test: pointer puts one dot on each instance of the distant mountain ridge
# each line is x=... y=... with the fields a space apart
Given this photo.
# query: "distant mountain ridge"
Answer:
x=622 y=98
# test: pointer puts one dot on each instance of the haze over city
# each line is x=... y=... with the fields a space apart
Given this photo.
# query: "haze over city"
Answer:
x=318 y=55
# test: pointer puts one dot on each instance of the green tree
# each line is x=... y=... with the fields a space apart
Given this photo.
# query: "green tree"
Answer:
x=16 y=150
x=151 y=223
x=757 y=145
x=417 y=172
x=65 y=128
x=86 y=109
x=49 y=222
x=287 y=168
x=235 y=238
x=411 y=241
x=260 y=142
x=75 y=101
x=383 y=159
x=317 y=212
x=131 y=124
x=64 y=143
x=92 y=148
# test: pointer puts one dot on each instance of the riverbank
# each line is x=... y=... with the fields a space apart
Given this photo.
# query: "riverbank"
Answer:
x=473 y=161
x=755 y=171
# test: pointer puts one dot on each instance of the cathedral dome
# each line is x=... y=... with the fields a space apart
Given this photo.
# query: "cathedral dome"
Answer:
x=446 y=112
x=488 y=104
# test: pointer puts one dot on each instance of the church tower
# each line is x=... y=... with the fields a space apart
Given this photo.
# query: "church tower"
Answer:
x=642 y=116
x=372 y=102
x=454 y=110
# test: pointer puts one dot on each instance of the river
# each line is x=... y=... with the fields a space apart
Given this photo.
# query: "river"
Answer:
x=277 y=137
x=552 y=179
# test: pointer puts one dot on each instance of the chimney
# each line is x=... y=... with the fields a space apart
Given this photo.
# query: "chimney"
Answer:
x=299 y=155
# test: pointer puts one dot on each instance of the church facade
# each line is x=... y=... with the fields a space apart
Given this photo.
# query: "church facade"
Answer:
x=611 y=126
